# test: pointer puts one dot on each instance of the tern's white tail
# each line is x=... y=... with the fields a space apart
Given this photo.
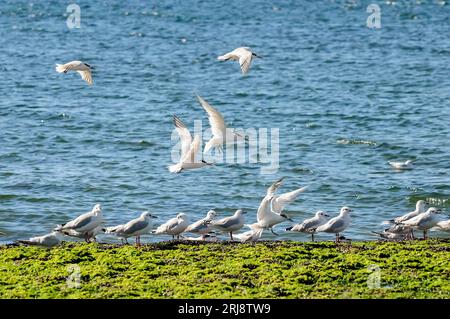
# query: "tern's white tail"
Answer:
x=60 y=68
x=175 y=168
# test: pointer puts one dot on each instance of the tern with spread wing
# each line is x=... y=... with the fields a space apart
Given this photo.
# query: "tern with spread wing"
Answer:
x=82 y=68
x=189 y=149
x=244 y=55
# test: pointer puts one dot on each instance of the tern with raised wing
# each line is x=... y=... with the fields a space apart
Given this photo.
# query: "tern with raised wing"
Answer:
x=189 y=149
x=221 y=134
x=270 y=209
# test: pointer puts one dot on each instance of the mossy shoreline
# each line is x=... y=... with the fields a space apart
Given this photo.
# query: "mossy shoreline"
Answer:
x=413 y=269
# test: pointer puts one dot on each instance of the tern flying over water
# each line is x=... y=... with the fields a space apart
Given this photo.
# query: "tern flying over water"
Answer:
x=82 y=68
x=244 y=55
x=189 y=149
x=221 y=134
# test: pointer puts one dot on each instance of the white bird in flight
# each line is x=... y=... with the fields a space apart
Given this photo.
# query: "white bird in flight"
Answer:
x=230 y=224
x=203 y=226
x=174 y=226
x=424 y=221
x=84 y=223
x=244 y=55
x=270 y=209
x=47 y=241
x=135 y=227
x=189 y=149
x=337 y=224
x=221 y=134
x=82 y=68
x=401 y=165
x=309 y=225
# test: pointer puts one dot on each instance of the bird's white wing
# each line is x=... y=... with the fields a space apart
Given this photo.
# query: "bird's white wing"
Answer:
x=86 y=76
x=185 y=135
x=279 y=202
x=194 y=147
x=245 y=59
x=273 y=188
x=216 y=120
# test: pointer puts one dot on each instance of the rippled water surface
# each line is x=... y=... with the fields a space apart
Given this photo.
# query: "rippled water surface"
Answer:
x=345 y=98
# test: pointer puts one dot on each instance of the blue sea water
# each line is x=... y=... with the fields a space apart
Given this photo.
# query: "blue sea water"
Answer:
x=346 y=99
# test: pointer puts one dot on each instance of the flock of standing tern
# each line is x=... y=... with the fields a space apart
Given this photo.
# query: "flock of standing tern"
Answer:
x=270 y=212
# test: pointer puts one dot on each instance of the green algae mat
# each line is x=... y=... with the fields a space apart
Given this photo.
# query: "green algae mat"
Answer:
x=413 y=269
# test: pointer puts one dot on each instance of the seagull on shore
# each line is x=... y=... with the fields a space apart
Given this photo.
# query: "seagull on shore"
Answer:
x=244 y=55
x=221 y=134
x=203 y=226
x=444 y=225
x=87 y=236
x=395 y=232
x=82 y=68
x=401 y=165
x=309 y=225
x=337 y=224
x=135 y=227
x=254 y=234
x=46 y=241
x=424 y=221
x=421 y=207
x=230 y=224
x=270 y=209
x=84 y=223
x=174 y=226
x=189 y=149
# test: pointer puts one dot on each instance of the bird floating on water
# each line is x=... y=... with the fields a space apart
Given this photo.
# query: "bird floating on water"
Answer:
x=401 y=165
x=82 y=68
